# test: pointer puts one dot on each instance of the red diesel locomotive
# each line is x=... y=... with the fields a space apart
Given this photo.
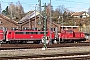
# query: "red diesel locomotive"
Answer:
x=25 y=36
x=71 y=34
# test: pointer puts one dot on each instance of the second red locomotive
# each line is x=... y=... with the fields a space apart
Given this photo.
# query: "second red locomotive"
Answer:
x=71 y=34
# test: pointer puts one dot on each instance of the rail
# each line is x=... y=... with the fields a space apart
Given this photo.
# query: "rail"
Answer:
x=34 y=46
x=73 y=56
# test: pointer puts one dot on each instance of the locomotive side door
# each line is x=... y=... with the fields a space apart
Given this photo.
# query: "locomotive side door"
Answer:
x=12 y=35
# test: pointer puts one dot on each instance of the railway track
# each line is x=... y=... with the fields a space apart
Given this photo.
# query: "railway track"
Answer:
x=64 y=56
x=33 y=46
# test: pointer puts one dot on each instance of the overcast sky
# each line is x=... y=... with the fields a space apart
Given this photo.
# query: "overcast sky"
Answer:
x=72 y=5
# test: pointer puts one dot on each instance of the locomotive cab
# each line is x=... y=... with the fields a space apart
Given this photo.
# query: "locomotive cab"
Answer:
x=71 y=36
x=1 y=36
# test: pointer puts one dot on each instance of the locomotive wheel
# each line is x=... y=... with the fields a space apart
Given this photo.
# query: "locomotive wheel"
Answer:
x=37 y=42
x=22 y=42
x=55 y=42
x=7 y=42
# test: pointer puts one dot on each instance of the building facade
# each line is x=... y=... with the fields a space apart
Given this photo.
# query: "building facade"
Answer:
x=7 y=22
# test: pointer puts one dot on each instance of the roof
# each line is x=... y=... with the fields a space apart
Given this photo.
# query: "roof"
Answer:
x=69 y=26
x=8 y=19
x=77 y=13
x=29 y=16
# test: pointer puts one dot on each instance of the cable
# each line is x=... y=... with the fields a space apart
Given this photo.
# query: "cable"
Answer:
x=73 y=2
x=16 y=2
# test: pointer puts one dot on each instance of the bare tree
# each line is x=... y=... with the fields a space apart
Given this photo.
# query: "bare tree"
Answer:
x=16 y=12
x=48 y=10
x=60 y=12
x=61 y=9
x=11 y=10
x=19 y=10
